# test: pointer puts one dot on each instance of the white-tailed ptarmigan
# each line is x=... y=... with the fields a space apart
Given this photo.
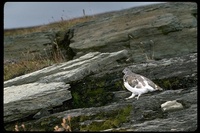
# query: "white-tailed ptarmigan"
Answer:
x=138 y=84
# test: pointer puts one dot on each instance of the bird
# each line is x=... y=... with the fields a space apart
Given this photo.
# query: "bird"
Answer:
x=138 y=84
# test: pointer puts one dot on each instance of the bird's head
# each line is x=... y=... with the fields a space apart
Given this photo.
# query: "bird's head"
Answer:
x=126 y=71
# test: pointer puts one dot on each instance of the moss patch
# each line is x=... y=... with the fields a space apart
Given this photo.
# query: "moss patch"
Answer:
x=176 y=82
x=90 y=97
x=107 y=120
x=95 y=90
x=93 y=93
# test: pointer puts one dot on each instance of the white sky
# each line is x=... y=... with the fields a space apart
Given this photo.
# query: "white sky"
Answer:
x=25 y=14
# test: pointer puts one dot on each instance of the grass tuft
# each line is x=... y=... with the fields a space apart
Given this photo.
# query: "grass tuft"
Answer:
x=59 y=25
x=32 y=64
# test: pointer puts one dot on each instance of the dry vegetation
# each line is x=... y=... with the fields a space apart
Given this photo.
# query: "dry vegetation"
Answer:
x=65 y=126
x=58 y=25
x=32 y=64
x=24 y=67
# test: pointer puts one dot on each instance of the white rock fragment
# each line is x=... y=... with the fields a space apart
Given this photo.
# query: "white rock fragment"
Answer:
x=171 y=106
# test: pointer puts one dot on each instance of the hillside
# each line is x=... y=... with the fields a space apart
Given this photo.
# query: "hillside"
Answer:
x=86 y=89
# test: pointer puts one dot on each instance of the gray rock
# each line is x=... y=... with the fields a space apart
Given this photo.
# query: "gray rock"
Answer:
x=41 y=113
x=23 y=100
x=175 y=23
x=47 y=87
x=60 y=45
x=95 y=75
x=170 y=24
x=186 y=66
x=18 y=47
x=146 y=113
x=171 y=106
x=71 y=70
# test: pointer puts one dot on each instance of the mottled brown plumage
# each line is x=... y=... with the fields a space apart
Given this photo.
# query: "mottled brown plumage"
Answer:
x=138 y=84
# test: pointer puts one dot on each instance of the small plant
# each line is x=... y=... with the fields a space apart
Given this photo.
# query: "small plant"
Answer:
x=66 y=125
x=57 y=52
x=151 y=56
x=142 y=50
x=22 y=127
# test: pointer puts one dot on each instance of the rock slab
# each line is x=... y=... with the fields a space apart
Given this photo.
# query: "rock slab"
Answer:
x=48 y=87
x=24 y=100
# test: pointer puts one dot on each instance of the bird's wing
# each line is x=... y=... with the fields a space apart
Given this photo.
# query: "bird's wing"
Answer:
x=139 y=85
x=140 y=79
x=133 y=82
x=152 y=84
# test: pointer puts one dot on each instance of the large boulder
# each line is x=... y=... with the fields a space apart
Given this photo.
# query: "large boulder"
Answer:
x=47 y=88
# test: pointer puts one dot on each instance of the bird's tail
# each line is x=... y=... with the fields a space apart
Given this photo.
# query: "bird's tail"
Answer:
x=158 y=88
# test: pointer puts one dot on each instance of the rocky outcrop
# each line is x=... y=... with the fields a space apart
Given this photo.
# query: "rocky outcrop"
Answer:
x=170 y=26
x=60 y=42
x=71 y=70
x=131 y=115
x=47 y=88
x=157 y=41
x=17 y=46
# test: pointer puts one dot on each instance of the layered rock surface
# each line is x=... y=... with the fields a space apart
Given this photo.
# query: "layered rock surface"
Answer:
x=179 y=85
x=24 y=100
x=168 y=25
x=46 y=88
x=157 y=41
